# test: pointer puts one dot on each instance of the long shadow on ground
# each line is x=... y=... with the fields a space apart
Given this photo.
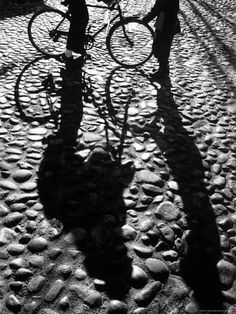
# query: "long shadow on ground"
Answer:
x=201 y=249
x=86 y=196
x=198 y=263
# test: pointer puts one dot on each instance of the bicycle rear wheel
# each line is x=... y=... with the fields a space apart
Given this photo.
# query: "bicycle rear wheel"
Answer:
x=48 y=30
x=130 y=42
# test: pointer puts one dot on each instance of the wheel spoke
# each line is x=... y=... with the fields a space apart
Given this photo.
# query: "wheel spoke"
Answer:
x=132 y=47
x=40 y=28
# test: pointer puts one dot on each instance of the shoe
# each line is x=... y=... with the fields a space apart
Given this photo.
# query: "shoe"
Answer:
x=67 y=60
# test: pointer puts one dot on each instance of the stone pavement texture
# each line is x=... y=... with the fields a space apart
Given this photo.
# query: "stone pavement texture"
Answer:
x=119 y=203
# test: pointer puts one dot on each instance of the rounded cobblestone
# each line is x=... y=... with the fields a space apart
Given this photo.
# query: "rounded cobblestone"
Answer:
x=104 y=202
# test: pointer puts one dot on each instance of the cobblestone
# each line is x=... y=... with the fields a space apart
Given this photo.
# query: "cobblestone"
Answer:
x=101 y=211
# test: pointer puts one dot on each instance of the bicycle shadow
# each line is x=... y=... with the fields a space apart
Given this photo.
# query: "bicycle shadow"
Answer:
x=84 y=197
x=200 y=250
x=34 y=88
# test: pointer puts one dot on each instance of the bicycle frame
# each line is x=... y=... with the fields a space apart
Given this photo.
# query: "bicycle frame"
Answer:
x=115 y=7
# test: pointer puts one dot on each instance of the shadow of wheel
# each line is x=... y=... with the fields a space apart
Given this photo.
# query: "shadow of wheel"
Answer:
x=37 y=90
x=131 y=99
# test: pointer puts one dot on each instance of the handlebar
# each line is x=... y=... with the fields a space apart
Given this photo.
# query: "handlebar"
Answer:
x=109 y=3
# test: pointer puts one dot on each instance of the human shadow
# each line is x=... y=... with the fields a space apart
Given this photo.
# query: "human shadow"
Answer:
x=200 y=250
x=11 y=8
x=85 y=195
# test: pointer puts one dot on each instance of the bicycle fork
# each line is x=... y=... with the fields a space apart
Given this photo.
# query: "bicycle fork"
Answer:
x=55 y=34
x=123 y=27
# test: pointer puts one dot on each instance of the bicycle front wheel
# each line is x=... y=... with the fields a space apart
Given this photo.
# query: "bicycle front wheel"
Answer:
x=48 y=30
x=129 y=42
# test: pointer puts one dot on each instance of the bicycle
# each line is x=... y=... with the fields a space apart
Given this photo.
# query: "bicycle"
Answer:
x=128 y=40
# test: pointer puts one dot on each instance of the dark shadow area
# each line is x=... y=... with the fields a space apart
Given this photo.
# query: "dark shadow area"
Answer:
x=185 y=166
x=203 y=251
x=85 y=195
x=11 y=8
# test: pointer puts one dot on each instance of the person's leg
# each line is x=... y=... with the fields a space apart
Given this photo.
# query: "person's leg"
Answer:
x=161 y=50
x=79 y=21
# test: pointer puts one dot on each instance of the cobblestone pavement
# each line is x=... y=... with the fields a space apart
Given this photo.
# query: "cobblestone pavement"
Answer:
x=120 y=203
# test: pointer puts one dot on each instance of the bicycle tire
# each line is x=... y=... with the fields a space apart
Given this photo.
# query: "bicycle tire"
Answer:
x=42 y=33
x=120 y=50
x=37 y=90
x=131 y=100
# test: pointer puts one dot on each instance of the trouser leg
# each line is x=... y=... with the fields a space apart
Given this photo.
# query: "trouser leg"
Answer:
x=161 y=50
x=79 y=21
